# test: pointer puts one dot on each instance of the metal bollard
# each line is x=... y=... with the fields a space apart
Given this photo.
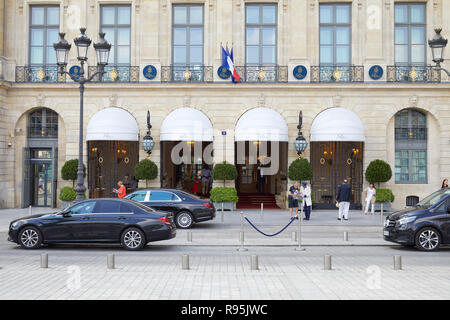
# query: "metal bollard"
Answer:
x=241 y=234
x=381 y=214
x=300 y=219
x=189 y=236
x=327 y=262
x=222 y=220
x=262 y=211
x=30 y=210
x=345 y=236
x=294 y=236
x=110 y=261
x=254 y=263
x=397 y=262
x=44 y=260
x=185 y=262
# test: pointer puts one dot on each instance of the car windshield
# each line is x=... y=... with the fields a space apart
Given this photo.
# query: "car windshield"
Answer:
x=433 y=198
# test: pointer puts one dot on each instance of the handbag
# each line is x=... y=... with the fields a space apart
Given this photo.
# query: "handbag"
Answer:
x=337 y=204
x=372 y=201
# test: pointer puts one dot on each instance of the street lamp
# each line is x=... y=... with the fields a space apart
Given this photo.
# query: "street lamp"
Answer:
x=300 y=143
x=62 y=48
x=437 y=45
x=147 y=142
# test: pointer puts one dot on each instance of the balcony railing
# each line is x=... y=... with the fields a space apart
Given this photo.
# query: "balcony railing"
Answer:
x=263 y=73
x=187 y=73
x=116 y=74
x=38 y=131
x=410 y=133
x=42 y=74
x=332 y=74
x=412 y=74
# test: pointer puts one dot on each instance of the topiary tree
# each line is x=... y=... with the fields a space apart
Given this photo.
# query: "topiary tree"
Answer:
x=378 y=171
x=67 y=194
x=224 y=171
x=146 y=170
x=300 y=169
x=69 y=171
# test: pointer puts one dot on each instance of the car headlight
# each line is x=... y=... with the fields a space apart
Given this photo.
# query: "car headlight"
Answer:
x=16 y=224
x=404 y=221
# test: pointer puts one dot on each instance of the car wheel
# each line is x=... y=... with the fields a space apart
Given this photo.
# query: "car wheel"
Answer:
x=30 y=238
x=184 y=220
x=428 y=239
x=133 y=239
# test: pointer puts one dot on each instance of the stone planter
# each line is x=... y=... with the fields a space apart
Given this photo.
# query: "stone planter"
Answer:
x=66 y=204
x=386 y=206
x=227 y=206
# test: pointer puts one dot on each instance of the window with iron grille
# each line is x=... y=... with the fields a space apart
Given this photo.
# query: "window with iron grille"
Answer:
x=43 y=123
x=115 y=22
x=410 y=34
x=44 y=27
x=410 y=147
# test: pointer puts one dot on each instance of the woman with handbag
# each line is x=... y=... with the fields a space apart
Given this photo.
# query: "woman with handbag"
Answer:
x=370 y=198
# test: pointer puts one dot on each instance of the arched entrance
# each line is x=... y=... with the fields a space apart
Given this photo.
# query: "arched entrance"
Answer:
x=113 y=151
x=186 y=148
x=261 y=137
x=337 y=145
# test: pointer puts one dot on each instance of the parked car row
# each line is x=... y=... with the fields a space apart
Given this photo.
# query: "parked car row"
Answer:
x=145 y=216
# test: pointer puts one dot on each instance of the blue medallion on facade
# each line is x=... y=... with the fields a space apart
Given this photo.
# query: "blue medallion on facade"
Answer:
x=223 y=73
x=375 y=72
x=300 y=72
x=74 y=71
x=149 y=72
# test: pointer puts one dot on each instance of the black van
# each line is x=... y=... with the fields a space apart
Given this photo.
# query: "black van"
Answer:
x=425 y=225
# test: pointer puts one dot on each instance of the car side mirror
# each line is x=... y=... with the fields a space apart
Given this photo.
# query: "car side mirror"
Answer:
x=66 y=214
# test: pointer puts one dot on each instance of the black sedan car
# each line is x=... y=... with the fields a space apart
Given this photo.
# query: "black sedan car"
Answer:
x=96 y=220
x=426 y=225
x=186 y=208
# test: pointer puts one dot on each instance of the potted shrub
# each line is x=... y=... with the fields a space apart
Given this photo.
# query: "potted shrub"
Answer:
x=69 y=171
x=380 y=171
x=224 y=195
x=224 y=171
x=67 y=195
x=146 y=170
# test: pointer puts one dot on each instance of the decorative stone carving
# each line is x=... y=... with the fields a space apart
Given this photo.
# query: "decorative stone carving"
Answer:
x=137 y=6
x=187 y=101
x=387 y=4
x=261 y=100
x=40 y=100
x=113 y=100
x=20 y=6
x=414 y=101
x=337 y=101
x=312 y=4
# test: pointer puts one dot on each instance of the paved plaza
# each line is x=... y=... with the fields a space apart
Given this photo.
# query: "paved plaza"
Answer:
x=362 y=266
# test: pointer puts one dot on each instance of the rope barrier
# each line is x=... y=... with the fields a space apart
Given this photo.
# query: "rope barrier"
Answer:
x=270 y=235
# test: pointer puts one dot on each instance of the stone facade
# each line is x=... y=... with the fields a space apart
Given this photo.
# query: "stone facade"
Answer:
x=375 y=102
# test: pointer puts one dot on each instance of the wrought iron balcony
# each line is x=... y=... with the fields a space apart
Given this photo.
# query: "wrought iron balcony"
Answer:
x=185 y=73
x=332 y=74
x=39 y=73
x=411 y=133
x=116 y=73
x=412 y=74
x=39 y=131
x=263 y=73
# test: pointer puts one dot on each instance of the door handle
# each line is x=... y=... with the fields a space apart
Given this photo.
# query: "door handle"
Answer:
x=122 y=218
x=85 y=218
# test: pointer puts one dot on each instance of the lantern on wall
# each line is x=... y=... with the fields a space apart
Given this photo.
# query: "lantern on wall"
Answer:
x=147 y=142
x=300 y=143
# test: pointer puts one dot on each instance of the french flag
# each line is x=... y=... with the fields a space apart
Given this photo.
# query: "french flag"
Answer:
x=227 y=62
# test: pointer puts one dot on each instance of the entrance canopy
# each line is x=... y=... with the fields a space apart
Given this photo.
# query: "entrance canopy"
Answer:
x=337 y=124
x=186 y=124
x=261 y=124
x=112 y=124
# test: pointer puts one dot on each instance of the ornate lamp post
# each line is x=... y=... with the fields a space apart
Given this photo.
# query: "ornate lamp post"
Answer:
x=300 y=143
x=62 y=48
x=147 y=142
x=437 y=45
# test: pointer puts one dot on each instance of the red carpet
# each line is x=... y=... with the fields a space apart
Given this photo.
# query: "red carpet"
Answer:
x=254 y=200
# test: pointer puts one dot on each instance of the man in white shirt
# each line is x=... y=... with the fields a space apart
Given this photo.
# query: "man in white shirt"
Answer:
x=305 y=193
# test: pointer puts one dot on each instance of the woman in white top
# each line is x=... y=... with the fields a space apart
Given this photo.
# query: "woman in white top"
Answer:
x=370 y=193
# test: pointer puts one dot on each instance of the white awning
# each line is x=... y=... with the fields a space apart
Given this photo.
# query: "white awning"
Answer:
x=112 y=124
x=261 y=124
x=186 y=124
x=337 y=124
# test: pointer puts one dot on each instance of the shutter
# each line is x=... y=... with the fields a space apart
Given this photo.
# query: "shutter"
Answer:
x=26 y=178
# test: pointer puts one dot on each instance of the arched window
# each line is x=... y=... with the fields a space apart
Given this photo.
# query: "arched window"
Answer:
x=43 y=123
x=410 y=146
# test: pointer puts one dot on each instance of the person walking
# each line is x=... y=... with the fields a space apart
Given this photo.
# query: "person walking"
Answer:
x=343 y=198
x=196 y=182
x=206 y=176
x=370 y=199
x=293 y=195
x=305 y=192
x=444 y=184
x=122 y=191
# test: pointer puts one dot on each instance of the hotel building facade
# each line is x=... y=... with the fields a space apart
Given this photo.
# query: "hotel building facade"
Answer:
x=358 y=70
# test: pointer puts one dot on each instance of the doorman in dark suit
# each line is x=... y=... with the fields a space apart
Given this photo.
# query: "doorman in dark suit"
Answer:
x=343 y=197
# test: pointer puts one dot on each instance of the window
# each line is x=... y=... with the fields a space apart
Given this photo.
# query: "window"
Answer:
x=260 y=34
x=125 y=208
x=44 y=27
x=335 y=34
x=82 y=208
x=115 y=22
x=410 y=147
x=410 y=37
x=161 y=196
x=138 y=196
x=187 y=35
x=105 y=206
x=444 y=206
x=43 y=123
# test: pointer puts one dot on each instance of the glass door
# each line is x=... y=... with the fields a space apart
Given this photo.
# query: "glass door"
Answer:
x=42 y=184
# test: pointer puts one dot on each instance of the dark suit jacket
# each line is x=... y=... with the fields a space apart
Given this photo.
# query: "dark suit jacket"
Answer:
x=344 y=193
